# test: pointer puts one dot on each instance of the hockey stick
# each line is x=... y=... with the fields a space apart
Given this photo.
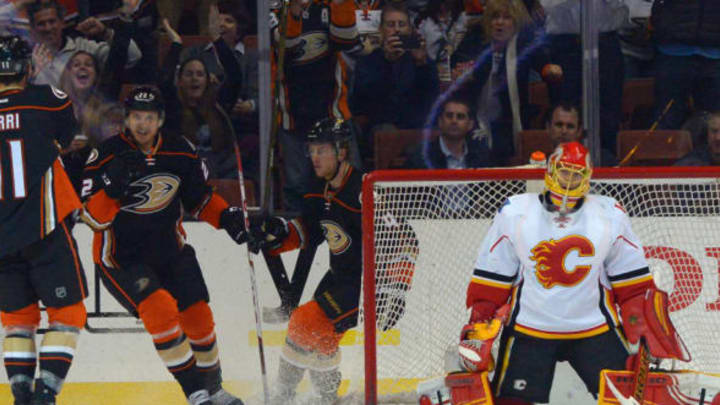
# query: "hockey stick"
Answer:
x=642 y=371
x=274 y=123
x=650 y=131
x=253 y=281
x=290 y=292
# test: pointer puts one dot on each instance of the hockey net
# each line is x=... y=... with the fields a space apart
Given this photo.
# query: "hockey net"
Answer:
x=443 y=215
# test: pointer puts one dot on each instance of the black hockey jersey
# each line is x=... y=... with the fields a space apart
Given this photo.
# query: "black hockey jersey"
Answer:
x=315 y=82
x=147 y=225
x=35 y=192
x=333 y=216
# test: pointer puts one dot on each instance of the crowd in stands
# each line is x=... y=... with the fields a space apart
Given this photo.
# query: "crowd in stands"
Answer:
x=474 y=79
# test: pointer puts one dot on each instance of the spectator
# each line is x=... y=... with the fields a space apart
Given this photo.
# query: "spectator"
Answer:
x=395 y=86
x=46 y=27
x=315 y=82
x=146 y=17
x=563 y=27
x=687 y=35
x=230 y=25
x=173 y=11
x=708 y=152
x=455 y=148
x=192 y=106
x=635 y=42
x=564 y=124
x=472 y=42
x=240 y=99
x=94 y=91
x=500 y=77
x=442 y=25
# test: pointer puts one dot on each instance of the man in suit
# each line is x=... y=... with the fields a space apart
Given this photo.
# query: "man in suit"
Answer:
x=455 y=148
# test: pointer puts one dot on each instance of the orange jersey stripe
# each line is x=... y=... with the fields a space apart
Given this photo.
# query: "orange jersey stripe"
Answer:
x=78 y=267
x=66 y=200
x=212 y=210
x=101 y=209
x=35 y=107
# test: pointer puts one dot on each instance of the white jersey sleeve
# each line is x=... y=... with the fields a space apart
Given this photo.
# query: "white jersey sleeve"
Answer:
x=497 y=253
x=626 y=251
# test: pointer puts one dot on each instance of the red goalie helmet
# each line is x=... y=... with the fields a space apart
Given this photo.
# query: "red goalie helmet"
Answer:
x=568 y=174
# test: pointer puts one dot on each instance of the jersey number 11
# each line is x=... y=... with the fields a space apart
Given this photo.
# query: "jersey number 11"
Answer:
x=17 y=165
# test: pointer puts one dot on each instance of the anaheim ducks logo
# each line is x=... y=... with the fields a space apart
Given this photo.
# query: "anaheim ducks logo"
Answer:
x=338 y=240
x=549 y=257
x=158 y=191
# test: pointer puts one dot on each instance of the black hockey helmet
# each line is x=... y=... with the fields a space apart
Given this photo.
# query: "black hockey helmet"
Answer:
x=14 y=56
x=145 y=98
x=330 y=130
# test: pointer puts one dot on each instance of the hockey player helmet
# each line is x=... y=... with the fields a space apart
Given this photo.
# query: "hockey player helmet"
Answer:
x=333 y=131
x=145 y=98
x=14 y=57
x=568 y=174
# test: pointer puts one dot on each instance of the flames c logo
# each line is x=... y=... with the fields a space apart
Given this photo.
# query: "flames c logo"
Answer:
x=549 y=257
x=157 y=193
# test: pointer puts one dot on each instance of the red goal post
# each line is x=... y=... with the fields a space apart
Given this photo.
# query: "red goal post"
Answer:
x=675 y=212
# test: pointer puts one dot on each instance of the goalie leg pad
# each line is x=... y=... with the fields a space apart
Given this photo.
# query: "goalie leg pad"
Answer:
x=662 y=388
x=646 y=315
x=469 y=388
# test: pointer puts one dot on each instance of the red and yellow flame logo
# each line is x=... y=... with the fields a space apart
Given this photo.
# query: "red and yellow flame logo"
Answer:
x=549 y=257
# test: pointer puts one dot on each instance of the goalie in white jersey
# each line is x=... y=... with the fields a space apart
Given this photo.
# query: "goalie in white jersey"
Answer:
x=564 y=261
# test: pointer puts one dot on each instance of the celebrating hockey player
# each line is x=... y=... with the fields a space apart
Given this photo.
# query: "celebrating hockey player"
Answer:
x=564 y=260
x=38 y=255
x=332 y=213
x=137 y=186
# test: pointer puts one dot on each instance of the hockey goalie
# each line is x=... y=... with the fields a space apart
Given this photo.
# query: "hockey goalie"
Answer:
x=553 y=269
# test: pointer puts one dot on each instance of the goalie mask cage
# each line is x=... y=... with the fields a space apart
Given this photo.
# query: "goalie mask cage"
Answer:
x=442 y=217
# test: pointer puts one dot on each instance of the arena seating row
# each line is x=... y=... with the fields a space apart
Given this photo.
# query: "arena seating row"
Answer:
x=656 y=148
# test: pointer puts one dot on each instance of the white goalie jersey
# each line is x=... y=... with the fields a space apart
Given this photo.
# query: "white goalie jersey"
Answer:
x=562 y=273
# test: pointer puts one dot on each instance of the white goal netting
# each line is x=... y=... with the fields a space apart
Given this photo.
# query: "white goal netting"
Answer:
x=441 y=218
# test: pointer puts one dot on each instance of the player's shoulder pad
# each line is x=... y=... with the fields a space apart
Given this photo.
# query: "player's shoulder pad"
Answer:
x=178 y=144
x=47 y=96
x=112 y=146
x=517 y=204
x=608 y=206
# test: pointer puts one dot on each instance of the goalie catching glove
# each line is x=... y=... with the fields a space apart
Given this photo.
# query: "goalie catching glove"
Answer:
x=477 y=337
x=645 y=316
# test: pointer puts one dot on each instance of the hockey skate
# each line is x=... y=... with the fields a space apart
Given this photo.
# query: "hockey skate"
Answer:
x=200 y=397
x=222 y=397
x=42 y=395
x=22 y=392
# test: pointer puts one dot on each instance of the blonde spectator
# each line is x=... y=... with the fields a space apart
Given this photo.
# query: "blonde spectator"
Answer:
x=500 y=76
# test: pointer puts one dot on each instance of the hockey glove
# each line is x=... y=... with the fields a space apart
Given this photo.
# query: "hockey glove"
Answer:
x=232 y=221
x=646 y=316
x=476 y=340
x=268 y=234
x=123 y=169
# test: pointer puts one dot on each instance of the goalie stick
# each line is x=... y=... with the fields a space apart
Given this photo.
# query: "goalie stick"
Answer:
x=642 y=370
